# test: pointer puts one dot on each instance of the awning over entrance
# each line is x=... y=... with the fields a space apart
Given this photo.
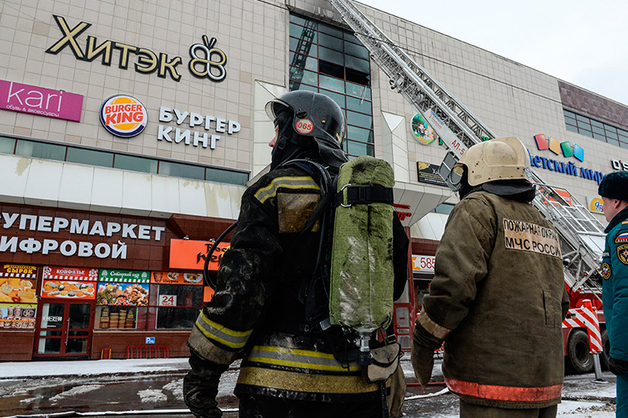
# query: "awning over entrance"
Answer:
x=414 y=201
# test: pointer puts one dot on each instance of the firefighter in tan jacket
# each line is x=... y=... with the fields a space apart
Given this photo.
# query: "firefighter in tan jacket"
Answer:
x=498 y=297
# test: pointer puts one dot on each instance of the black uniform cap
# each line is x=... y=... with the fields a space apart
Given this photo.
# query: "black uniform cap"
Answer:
x=614 y=186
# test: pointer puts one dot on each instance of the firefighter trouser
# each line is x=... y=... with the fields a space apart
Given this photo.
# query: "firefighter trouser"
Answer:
x=622 y=396
x=258 y=406
x=468 y=410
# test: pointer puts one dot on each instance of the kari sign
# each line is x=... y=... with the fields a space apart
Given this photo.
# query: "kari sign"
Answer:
x=35 y=100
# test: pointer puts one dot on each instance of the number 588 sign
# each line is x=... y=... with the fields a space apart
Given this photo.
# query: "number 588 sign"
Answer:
x=423 y=263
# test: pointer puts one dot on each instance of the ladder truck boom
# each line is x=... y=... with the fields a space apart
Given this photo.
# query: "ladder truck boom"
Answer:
x=582 y=235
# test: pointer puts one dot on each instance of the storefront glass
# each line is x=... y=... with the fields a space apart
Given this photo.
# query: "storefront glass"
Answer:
x=120 y=292
x=178 y=306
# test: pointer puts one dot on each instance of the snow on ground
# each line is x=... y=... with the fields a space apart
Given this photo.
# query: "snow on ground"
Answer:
x=79 y=390
x=89 y=367
x=152 y=396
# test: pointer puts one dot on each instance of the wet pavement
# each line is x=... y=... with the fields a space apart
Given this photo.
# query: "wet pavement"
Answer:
x=160 y=394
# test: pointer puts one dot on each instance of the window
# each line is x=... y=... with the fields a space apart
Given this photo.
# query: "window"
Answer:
x=40 y=150
x=224 y=176
x=445 y=208
x=90 y=157
x=592 y=128
x=75 y=154
x=332 y=61
x=184 y=303
x=7 y=145
x=181 y=170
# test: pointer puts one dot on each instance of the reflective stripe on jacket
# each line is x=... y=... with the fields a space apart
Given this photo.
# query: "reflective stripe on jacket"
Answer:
x=283 y=363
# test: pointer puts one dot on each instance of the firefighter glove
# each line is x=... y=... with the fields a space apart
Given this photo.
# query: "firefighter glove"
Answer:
x=617 y=367
x=200 y=387
x=423 y=346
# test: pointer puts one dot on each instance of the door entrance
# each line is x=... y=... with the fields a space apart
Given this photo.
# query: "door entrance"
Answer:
x=64 y=330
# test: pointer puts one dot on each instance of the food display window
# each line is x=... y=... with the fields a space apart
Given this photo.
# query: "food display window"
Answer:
x=121 y=294
x=179 y=299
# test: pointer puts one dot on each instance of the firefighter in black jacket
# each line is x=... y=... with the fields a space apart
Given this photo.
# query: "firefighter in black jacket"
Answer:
x=258 y=312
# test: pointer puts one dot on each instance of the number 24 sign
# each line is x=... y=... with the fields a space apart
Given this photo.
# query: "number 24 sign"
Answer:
x=167 y=300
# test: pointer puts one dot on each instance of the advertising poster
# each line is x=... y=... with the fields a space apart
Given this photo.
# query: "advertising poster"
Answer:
x=17 y=291
x=164 y=277
x=69 y=283
x=18 y=283
x=428 y=173
x=17 y=316
x=422 y=130
x=122 y=294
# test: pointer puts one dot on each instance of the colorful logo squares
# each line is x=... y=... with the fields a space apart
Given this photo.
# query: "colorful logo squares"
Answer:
x=557 y=147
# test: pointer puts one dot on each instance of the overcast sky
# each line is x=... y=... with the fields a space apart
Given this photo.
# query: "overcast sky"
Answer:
x=579 y=41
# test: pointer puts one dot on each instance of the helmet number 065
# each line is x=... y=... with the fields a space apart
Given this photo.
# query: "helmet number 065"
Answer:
x=304 y=126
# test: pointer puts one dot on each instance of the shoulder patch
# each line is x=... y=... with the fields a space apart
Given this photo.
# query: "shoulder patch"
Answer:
x=295 y=183
x=606 y=271
x=622 y=238
x=622 y=253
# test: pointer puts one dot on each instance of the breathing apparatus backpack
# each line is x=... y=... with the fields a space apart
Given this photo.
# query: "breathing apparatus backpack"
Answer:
x=350 y=294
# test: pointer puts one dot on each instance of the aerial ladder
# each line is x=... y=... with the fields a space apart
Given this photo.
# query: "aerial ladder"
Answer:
x=581 y=234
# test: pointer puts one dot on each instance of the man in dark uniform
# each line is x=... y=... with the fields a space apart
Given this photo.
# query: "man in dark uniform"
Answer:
x=498 y=296
x=614 y=192
x=259 y=309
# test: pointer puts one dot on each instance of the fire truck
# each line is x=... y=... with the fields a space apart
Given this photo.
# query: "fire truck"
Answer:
x=582 y=235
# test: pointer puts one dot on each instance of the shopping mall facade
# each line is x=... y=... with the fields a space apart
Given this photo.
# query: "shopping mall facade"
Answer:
x=129 y=130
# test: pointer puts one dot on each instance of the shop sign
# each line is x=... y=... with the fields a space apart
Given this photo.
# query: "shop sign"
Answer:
x=428 y=173
x=423 y=263
x=167 y=300
x=565 y=168
x=172 y=277
x=595 y=204
x=18 y=271
x=24 y=98
x=17 y=316
x=194 y=120
x=69 y=283
x=123 y=116
x=206 y=61
x=122 y=294
x=555 y=146
x=191 y=254
x=619 y=165
x=69 y=248
x=401 y=211
x=124 y=276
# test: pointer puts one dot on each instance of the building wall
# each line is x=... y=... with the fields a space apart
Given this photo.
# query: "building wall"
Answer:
x=508 y=97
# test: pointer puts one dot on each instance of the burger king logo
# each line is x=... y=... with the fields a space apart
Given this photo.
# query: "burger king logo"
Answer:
x=123 y=116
